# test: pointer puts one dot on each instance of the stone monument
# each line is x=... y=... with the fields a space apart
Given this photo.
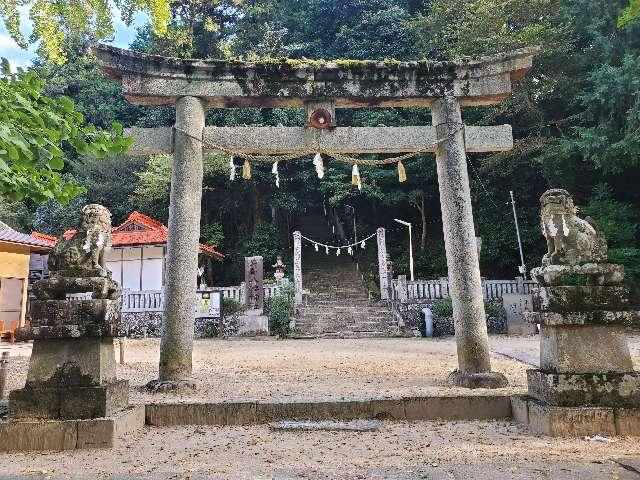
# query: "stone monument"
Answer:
x=253 y=322
x=72 y=370
x=586 y=384
x=254 y=283
x=515 y=305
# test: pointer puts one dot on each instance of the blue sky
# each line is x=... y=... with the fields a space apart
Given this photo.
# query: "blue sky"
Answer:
x=22 y=58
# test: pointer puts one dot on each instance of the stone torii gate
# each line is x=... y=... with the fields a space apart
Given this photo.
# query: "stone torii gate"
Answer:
x=192 y=86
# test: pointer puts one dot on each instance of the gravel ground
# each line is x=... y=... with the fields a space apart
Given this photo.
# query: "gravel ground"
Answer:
x=325 y=369
x=426 y=450
x=235 y=370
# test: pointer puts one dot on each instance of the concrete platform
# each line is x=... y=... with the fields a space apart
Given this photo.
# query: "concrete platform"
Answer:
x=575 y=421
x=25 y=435
x=478 y=407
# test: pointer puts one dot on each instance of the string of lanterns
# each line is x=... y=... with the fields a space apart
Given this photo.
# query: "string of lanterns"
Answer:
x=349 y=247
x=318 y=161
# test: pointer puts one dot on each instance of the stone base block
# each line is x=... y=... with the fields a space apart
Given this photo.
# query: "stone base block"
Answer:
x=23 y=435
x=586 y=389
x=63 y=403
x=73 y=319
x=628 y=318
x=253 y=322
x=520 y=408
x=628 y=421
x=584 y=349
x=478 y=380
x=580 y=299
x=591 y=273
x=570 y=422
x=574 y=421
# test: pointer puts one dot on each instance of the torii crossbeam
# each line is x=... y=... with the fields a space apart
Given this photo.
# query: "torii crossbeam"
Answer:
x=320 y=87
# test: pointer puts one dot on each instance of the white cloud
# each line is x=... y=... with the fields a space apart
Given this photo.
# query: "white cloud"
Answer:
x=6 y=42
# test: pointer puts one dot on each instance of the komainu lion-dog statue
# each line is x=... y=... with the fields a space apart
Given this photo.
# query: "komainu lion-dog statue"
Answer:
x=77 y=264
x=570 y=239
x=574 y=246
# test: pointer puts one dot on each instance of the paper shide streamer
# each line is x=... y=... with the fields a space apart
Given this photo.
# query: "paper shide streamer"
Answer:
x=274 y=170
x=232 y=170
x=319 y=164
x=355 y=176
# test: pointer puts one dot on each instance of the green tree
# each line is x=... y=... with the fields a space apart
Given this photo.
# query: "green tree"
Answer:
x=629 y=14
x=35 y=130
x=55 y=22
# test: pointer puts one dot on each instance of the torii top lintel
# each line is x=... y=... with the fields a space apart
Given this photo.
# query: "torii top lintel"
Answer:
x=156 y=80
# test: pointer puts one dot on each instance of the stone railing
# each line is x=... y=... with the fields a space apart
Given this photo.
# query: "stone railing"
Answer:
x=152 y=300
x=403 y=290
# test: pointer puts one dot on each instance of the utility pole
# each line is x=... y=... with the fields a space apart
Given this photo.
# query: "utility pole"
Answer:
x=522 y=268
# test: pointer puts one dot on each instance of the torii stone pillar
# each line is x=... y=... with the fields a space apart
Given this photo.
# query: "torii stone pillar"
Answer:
x=297 y=266
x=176 y=345
x=474 y=364
x=382 y=264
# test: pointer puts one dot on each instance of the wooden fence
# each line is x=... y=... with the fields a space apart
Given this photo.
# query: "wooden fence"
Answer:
x=437 y=289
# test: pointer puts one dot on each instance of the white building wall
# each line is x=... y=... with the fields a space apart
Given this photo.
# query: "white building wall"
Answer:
x=137 y=268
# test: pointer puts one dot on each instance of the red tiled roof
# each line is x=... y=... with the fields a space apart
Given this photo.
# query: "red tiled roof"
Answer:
x=9 y=235
x=50 y=239
x=153 y=233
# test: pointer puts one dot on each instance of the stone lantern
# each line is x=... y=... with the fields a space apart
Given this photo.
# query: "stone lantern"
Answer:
x=279 y=267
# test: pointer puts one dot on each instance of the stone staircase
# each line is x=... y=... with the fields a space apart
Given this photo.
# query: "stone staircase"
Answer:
x=336 y=303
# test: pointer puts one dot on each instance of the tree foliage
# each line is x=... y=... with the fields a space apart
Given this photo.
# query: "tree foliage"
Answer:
x=54 y=22
x=575 y=118
x=35 y=130
x=629 y=14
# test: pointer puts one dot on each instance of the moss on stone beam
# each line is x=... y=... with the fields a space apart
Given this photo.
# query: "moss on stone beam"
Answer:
x=285 y=82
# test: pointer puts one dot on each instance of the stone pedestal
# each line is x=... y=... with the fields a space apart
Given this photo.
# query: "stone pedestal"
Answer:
x=253 y=323
x=70 y=378
x=586 y=378
x=72 y=398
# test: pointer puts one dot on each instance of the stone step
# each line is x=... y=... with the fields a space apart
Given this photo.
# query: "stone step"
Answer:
x=346 y=334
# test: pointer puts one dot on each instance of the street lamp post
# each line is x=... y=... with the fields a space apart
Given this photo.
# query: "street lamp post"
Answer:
x=522 y=269
x=408 y=224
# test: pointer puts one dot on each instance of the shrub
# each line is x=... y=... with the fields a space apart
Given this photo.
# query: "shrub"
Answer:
x=231 y=306
x=280 y=310
x=442 y=308
x=495 y=310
